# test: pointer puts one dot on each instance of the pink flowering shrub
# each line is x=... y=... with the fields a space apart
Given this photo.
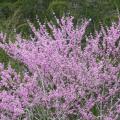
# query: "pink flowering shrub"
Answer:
x=73 y=81
x=16 y=94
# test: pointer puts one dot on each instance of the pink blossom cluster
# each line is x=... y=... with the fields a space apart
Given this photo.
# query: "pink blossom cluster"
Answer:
x=17 y=93
x=82 y=82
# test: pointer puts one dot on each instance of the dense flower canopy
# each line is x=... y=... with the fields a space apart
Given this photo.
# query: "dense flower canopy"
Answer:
x=16 y=93
x=72 y=80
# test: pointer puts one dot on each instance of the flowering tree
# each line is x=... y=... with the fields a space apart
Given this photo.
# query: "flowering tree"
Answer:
x=83 y=83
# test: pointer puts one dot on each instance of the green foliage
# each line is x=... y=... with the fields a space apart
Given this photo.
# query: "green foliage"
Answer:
x=95 y=111
x=14 y=13
x=98 y=10
x=59 y=7
x=3 y=57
